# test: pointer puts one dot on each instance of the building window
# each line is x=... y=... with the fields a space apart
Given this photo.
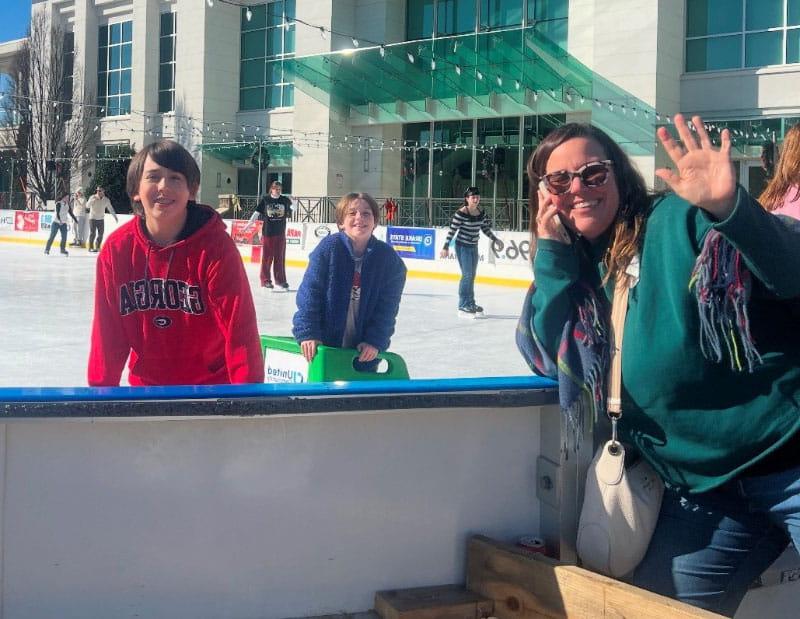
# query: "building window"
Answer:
x=735 y=34
x=166 y=63
x=267 y=40
x=114 y=61
x=550 y=19
x=449 y=17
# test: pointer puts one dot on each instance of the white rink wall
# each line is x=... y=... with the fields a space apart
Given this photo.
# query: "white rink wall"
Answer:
x=511 y=265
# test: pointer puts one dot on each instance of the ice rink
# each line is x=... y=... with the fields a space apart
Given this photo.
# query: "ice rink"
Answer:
x=46 y=308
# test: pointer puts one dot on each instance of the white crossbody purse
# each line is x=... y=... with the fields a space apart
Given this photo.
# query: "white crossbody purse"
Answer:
x=621 y=501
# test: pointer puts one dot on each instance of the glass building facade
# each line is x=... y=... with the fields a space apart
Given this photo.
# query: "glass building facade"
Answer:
x=267 y=40
x=166 y=62
x=737 y=34
x=114 y=61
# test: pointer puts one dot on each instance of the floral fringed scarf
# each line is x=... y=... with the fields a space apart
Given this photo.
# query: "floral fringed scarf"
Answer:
x=722 y=286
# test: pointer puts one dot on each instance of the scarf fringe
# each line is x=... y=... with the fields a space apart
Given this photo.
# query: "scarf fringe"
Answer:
x=722 y=286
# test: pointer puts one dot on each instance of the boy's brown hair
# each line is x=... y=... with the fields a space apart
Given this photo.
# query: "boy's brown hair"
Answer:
x=169 y=154
x=346 y=200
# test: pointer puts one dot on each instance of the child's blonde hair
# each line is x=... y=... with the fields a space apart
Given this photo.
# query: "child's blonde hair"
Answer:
x=346 y=200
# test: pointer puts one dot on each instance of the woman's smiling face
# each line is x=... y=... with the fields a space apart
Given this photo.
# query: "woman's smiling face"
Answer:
x=590 y=211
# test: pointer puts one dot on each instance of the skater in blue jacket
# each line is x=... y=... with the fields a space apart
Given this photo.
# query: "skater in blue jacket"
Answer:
x=350 y=294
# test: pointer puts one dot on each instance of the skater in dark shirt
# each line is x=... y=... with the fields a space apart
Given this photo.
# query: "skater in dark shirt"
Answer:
x=273 y=209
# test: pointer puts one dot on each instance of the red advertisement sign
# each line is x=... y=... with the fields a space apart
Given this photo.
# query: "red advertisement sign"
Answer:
x=26 y=221
x=244 y=234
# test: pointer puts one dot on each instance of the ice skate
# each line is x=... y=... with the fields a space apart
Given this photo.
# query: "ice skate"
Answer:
x=466 y=312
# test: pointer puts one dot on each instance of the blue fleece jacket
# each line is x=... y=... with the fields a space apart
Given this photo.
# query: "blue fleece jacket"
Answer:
x=324 y=295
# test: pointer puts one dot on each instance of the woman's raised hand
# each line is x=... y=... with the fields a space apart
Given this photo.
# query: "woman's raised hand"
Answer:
x=704 y=175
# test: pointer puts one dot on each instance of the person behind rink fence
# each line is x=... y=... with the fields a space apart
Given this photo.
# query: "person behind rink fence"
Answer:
x=467 y=224
x=782 y=194
x=59 y=224
x=711 y=355
x=81 y=212
x=98 y=204
x=171 y=292
x=350 y=293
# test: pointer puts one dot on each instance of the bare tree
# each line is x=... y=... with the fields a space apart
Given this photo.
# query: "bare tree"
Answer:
x=54 y=118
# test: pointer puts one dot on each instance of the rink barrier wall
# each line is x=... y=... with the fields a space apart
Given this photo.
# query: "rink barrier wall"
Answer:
x=509 y=267
x=267 y=501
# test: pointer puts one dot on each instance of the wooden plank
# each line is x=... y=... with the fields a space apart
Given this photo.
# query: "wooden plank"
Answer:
x=531 y=586
x=441 y=602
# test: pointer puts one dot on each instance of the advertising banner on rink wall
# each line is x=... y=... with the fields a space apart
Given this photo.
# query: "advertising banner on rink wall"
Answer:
x=417 y=243
x=419 y=247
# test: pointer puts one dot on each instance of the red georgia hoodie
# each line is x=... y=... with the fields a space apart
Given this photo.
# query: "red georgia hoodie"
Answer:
x=183 y=313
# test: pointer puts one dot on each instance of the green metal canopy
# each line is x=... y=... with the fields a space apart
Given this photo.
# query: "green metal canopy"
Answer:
x=280 y=152
x=477 y=75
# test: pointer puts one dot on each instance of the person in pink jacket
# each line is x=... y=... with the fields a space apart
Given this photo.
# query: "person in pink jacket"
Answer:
x=782 y=195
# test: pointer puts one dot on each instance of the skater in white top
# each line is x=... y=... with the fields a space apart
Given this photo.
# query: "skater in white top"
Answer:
x=98 y=204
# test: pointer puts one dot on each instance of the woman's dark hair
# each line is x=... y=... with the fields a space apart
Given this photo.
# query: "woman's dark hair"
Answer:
x=471 y=191
x=166 y=153
x=634 y=199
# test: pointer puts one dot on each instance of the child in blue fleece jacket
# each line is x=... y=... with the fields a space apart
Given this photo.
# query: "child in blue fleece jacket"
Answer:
x=351 y=291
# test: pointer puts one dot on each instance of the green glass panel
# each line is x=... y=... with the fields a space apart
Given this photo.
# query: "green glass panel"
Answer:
x=762 y=14
x=258 y=18
x=127 y=54
x=289 y=10
x=125 y=105
x=714 y=54
x=167 y=24
x=540 y=10
x=252 y=73
x=165 y=99
x=115 y=56
x=288 y=40
x=455 y=16
x=165 y=73
x=127 y=31
x=69 y=42
x=793 y=45
x=419 y=20
x=288 y=98
x=115 y=33
x=112 y=106
x=251 y=99
x=102 y=36
x=705 y=17
x=501 y=13
x=253 y=44
x=274 y=41
x=102 y=59
x=763 y=49
x=555 y=30
x=113 y=83
x=273 y=97
x=274 y=73
x=793 y=13
x=452 y=168
x=275 y=13
x=166 y=49
x=125 y=82
x=102 y=84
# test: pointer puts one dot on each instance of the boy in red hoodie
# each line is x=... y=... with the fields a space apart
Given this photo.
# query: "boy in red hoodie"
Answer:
x=171 y=293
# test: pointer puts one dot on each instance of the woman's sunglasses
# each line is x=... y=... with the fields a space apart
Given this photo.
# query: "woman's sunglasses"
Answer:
x=593 y=174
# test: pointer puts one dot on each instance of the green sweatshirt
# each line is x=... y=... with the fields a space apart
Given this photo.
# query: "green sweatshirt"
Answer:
x=697 y=422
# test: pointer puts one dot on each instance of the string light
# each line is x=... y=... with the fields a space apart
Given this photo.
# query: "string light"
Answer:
x=355 y=42
x=458 y=70
x=410 y=57
x=248 y=14
x=210 y=3
x=322 y=32
x=433 y=64
x=382 y=51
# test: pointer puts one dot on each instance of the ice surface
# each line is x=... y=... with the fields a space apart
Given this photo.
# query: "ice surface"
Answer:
x=46 y=309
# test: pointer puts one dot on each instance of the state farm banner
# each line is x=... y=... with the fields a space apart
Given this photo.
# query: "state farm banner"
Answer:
x=417 y=243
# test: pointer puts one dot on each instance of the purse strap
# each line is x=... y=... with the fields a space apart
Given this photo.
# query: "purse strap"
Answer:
x=619 y=308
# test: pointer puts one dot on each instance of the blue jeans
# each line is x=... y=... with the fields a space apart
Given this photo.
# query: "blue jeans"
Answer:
x=708 y=548
x=55 y=228
x=468 y=263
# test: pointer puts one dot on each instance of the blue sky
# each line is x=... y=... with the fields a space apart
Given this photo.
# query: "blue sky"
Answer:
x=16 y=14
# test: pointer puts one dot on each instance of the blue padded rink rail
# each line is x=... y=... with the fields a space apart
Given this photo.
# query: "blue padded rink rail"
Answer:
x=337 y=388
